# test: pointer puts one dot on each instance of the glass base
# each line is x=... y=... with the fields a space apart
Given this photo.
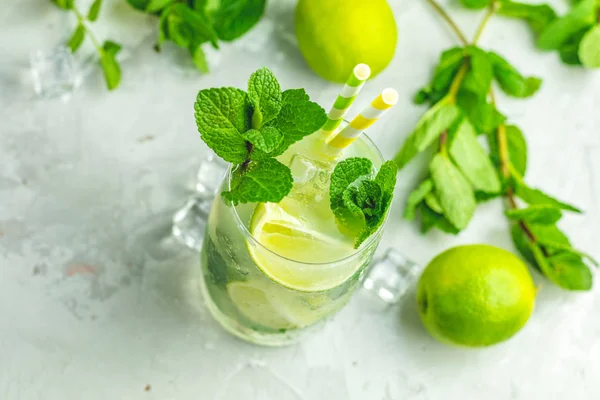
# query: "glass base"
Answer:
x=242 y=332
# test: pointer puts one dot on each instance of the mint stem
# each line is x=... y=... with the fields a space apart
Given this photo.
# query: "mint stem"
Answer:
x=488 y=15
x=449 y=20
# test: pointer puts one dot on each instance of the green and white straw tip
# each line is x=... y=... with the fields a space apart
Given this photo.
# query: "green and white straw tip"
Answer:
x=342 y=104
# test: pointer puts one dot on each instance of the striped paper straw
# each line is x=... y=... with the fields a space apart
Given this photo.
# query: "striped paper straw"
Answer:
x=342 y=104
x=383 y=102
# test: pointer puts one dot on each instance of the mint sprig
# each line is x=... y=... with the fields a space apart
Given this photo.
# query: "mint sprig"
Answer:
x=249 y=129
x=107 y=50
x=359 y=201
x=462 y=174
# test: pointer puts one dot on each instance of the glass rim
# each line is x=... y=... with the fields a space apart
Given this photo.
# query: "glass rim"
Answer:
x=366 y=245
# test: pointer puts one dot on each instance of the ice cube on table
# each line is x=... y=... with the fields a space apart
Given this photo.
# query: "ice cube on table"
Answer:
x=55 y=72
x=389 y=277
x=189 y=222
x=210 y=174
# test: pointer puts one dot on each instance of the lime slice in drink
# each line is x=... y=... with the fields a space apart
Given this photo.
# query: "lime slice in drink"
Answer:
x=272 y=309
x=295 y=249
x=252 y=300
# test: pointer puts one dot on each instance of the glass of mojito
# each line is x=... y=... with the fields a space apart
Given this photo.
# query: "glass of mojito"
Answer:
x=296 y=222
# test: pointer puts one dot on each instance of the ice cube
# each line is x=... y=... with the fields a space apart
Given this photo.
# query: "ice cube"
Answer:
x=310 y=174
x=189 y=222
x=54 y=72
x=389 y=277
x=210 y=174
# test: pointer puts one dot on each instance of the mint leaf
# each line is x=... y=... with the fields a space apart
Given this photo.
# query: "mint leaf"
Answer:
x=538 y=214
x=265 y=140
x=589 y=49
x=110 y=65
x=233 y=18
x=150 y=6
x=358 y=202
x=472 y=160
x=569 y=50
x=565 y=269
x=445 y=71
x=77 y=38
x=567 y=248
x=479 y=77
x=429 y=128
x=345 y=173
x=386 y=179
x=537 y=197
x=94 y=10
x=454 y=192
x=517 y=149
x=262 y=181
x=299 y=117
x=199 y=58
x=582 y=15
x=432 y=202
x=198 y=25
x=549 y=233
x=483 y=115
x=265 y=94
x=222 y=117
x=431 y=219
x=64 y=4
x=475 y=4
x=510 y=80
x=538 y=16
x=416 y=197
x=569 y=271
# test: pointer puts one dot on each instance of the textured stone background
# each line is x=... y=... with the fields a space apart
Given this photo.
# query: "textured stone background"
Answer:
x=94 y=306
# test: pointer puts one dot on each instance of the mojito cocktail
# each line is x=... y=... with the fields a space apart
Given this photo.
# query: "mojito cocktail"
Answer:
x=292 y=231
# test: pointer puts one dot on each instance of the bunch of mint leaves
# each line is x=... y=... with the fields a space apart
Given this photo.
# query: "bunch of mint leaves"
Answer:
x=249 y=129
x=191 y=23
x=187 y=23
x=107 y=50
x=575 y=35
x=462 y=174
x=360 y=203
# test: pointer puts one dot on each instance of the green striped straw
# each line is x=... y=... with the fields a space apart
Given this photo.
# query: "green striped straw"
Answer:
x=342 y=104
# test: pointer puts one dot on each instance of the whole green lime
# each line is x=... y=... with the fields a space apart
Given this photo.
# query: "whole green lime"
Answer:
x=335 y=35
x=475 y=295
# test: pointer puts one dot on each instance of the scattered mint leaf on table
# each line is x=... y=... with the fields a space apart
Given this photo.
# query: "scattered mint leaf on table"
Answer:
x=480 y=73
x=482 y=114
x=77 y=38
x=538 y=16
x=589 y=47
x=110 y=65
x=94 y=10
x=537 y=197
x=539 y=214
x=475 y=4
x=582 y=15
x=510 y=80
x=64 y=4
x=233 y=18
x=454 y=192
x=416 y=197
x=429 y=128
x=516 y=146
x=472 y=160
